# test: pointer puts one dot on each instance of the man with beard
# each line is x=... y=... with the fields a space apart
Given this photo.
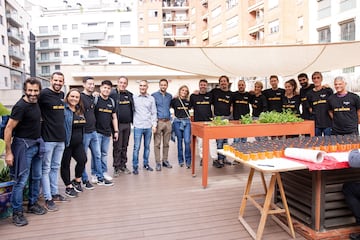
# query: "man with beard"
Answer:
x=24 y=151
x=53 y=132
x=305 y=88
x=163 y=130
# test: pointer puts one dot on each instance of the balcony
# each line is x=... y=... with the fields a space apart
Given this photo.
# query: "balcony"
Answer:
x=204 y=3
x=16 y=54
x=13 y=19
x=49 y=47
x=176 y=21
x=182 y=4
x=205 y=35
x=15 y=37
x=91 y=58
x=49 y=60
x=48 y=34
x=255 y=5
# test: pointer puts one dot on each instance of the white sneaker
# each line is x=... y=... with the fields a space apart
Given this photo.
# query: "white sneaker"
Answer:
x=94 y=179
x=107 y=176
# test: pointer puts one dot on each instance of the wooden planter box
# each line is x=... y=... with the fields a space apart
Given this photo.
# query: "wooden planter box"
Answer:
x=5 y=195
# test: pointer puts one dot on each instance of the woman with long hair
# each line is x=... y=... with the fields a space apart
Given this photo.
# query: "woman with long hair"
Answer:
x=291 y=98
x=74 y=128
x=182 y=126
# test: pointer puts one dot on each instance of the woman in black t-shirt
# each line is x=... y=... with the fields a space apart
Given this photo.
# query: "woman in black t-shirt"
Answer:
x=182 y=126
x=74 y=128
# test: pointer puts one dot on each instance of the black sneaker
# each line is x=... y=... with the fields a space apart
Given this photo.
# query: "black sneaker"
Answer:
x=166 y=164
x=59 y=198
x=76 y=185
x=125 y=170
x=217 y=164
x=135 y=171
x=158 y=167
x=354 y=236
x=51 y=206
x=36 y=209
x=88 y=185
x=105 y=182
x=19 y=219
x=116 y=173
x=70 y=192
x=147 y=167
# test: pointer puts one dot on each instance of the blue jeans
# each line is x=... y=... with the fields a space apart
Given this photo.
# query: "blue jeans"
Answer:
x=321 y=131
x=239 y=140
x=91 y=141
x=220 y=145
x=50 y=168
x=104 y=142
x=183 y=136
x=33 y=164
x=138 y=133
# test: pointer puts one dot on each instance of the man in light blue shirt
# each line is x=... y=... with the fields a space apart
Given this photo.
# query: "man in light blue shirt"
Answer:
x=145 y=122
x=163 y=130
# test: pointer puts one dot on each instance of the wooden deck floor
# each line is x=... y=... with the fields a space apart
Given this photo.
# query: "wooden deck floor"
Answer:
x=153 y=205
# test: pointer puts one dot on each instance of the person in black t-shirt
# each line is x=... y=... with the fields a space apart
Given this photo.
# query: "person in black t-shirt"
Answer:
x=124 y=112
x=106 y=125
x=201 y=104
x=274 y=95
x=182 y=126
x=90 y=139
x=258 y=104
x=74 y=148
x=291 y=98
x=23 y=140
x=53 y=132
x=344 y=109
x=241 y=105
x=305 y=88
x=222 y=107
x=318 y=106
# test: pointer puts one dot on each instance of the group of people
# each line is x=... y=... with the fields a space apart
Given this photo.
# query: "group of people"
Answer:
x=47 y=129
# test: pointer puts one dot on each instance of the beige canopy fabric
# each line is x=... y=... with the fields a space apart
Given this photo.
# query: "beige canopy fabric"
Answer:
x=247 y=61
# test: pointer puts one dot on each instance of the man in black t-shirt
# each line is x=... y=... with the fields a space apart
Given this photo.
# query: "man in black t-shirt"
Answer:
x=201 y=104
x=124 y=112
x=344 y=109
x=23 y=151
x=274 y=95
x=305 y=88
x=90 y=139
x=53 y=132
x=222 y=107
x=106 y=125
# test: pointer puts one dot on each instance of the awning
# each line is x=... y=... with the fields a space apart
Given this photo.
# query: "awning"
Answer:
x=247 y=61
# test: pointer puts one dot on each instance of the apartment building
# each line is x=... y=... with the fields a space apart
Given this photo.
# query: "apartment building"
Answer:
x=14 y=48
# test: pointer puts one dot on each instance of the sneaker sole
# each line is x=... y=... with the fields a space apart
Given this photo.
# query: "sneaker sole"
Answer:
x=51 y=210
x=89 y=188
x=70 y=196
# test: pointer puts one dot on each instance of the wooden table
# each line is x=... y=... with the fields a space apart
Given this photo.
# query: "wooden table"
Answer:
x=237 y=130
x=273 y=167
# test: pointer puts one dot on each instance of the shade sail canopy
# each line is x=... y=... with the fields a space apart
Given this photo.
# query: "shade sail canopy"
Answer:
x=247 y=61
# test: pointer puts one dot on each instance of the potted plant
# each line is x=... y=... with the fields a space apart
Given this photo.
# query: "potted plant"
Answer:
x=6 y=185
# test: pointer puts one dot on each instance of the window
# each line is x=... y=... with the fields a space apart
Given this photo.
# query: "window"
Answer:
x=93 y=42
x=75 y=40
x=300 y=23
x=44 y=43
x=6 y=79
x=3 y=39
x=274 y=26
x=231 y=3
x=324 y=35
x=74 y=26
x=232 y=41
x=93 y=53
x=44 y=56
x=1 y=20
x=92 y=24
x=348 y=70
x=65 y=40
x=45 y=70
x=75 y=53
x=110 y=37
x=56 y=41
x=324 y=9
x=153 y=13
x=110 y=24
x=232 y=22
x=4 y=59
x=57 y=67
x=216 y=12
x=66 y=53
x=273 y=3
x=347 y=31
x=124 y=26
x=346 y=5
x=43 y=29
x=125 y=39
x=57 y=54
x=55 y=28
x=153 y=27
x=217 y=29
x=64 y=27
